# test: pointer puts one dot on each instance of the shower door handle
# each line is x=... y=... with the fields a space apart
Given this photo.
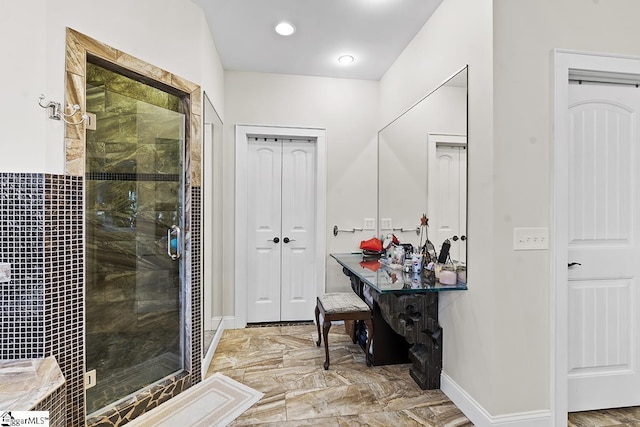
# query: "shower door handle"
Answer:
x=174 y=242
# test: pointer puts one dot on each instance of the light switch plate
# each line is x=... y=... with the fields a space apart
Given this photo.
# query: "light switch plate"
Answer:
x=530 y=239
x=386 y=224
x=369 y=224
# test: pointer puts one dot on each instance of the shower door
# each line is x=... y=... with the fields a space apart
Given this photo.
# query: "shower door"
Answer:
x=134 y=217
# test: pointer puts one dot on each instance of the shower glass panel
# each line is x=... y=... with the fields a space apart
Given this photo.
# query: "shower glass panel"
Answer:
x=134 y=210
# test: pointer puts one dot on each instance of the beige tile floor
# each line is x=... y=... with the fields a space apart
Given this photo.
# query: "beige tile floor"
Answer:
x=284 y=363
x=608 y=417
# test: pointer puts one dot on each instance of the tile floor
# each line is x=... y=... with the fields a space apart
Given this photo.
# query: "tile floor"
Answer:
x=609 y=417
x=284 y=363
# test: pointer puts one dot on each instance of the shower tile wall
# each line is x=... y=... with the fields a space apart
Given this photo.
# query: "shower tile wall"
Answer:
x=42 y=307
x=196 y=281
x=133 y=173
x=22 y=235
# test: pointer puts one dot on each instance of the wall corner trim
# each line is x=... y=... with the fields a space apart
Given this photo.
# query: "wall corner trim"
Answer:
x=481 y=418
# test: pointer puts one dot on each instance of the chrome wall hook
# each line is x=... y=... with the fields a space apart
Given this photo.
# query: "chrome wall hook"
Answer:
x=57 y=113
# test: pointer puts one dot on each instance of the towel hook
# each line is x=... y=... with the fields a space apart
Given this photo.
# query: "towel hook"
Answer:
x=57 y=113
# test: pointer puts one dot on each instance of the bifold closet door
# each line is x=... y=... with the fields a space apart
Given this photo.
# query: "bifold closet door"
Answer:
x=281 y=223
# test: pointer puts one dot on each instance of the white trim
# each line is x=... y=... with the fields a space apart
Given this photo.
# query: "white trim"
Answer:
x=564 y=60
x=319 y=135
x=226 y=323
x=480 y=417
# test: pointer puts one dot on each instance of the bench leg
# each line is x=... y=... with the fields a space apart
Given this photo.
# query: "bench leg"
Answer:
x=369 y=323
x=354 y=337
x=318 y=324
x=325 y=331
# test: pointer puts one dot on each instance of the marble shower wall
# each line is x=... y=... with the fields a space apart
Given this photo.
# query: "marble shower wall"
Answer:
x=133 y=194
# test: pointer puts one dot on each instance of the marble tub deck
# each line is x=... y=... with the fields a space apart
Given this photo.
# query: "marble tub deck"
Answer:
x=284 y=363
x=25 y=383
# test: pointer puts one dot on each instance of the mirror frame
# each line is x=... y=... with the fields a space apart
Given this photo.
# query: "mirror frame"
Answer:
x=212 y=126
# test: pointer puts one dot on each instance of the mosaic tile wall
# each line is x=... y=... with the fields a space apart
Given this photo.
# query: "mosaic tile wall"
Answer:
x=22 y=236
x=42 y=308
x=55 y=403
x=196 y=285
x=64 y=285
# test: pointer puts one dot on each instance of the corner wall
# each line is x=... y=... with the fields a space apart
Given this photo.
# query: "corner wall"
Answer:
x=460 y=33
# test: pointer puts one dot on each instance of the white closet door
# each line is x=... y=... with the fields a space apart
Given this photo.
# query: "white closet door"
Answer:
x=298 y=225
x=449 y=207
x=281 y=222
x=264 y=230
x=603 y=292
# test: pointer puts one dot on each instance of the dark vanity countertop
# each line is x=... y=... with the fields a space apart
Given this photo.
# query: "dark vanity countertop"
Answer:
x=386 y=280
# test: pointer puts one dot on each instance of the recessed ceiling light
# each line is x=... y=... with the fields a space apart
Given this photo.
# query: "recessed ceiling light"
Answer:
x=345 y=59
x=285 y=29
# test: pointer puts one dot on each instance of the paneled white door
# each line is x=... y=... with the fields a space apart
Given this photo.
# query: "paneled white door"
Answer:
x=447 y=199
x=603 y=322
x=281 y=223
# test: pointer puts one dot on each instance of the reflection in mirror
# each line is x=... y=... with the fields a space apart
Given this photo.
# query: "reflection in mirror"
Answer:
x=422 y=162
x=211 y=224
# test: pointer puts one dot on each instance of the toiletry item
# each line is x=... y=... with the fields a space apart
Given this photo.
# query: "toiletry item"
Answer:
x=399 y=255
x=436 y=269
x=444 y=251
x=416 y=260
x=448 y=275
x=416 y=281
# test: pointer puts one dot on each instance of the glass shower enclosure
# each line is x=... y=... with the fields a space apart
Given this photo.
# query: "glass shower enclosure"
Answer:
x=133 y=218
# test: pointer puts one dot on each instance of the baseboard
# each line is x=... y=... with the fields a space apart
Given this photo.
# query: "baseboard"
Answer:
x=226 y=323
x=481 y=418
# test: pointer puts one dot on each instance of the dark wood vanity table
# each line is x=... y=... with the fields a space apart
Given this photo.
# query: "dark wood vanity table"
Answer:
x=405 y=316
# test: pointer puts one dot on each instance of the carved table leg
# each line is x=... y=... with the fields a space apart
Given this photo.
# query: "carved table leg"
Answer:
x=415 y=317
x=369 y=323
x=318 y=324
x=325 y=332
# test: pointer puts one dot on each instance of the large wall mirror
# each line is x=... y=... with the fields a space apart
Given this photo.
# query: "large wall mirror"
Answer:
x=211 y=223
x=422 y=169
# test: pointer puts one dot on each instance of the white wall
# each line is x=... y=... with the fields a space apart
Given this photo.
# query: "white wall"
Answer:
x=525 y=34
x=22 y=123
x=459 y=33
x=347 y=109
x=33 y=51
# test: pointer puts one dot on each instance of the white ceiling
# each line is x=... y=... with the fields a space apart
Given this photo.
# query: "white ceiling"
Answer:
x=375 y=32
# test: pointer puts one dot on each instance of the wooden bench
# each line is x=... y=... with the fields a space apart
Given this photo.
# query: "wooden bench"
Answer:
x=342 y=306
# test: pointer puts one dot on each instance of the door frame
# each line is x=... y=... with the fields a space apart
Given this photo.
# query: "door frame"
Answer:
x=564 y=61
x=242 y=132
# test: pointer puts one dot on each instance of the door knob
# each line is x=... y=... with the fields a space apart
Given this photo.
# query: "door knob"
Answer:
x=571 y=264
x=287 y=240
x=275 y=240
